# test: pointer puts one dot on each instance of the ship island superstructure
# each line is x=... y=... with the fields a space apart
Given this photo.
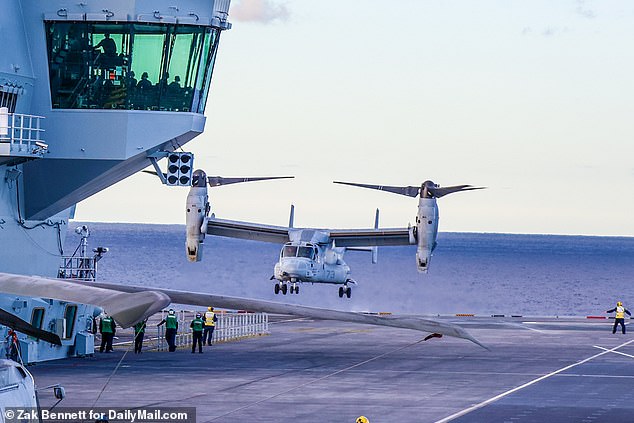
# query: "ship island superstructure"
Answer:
x=91 y=92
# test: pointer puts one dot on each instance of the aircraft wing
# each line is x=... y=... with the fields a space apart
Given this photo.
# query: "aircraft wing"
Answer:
x=125 y=308
x=246 y=230
x=236 y=303
x=372 y=237
x=130 y=304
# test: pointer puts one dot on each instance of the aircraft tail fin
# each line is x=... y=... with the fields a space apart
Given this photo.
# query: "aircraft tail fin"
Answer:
x=375 y=249
x=291 y=218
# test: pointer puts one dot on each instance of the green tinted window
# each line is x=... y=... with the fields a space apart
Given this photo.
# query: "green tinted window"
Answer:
x=130 y=66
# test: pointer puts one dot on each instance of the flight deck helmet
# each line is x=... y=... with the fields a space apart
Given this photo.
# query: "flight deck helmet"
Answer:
x=210 y=309
x=171 y=311
x=198 y=315
x=362 y=419
x=619 y=304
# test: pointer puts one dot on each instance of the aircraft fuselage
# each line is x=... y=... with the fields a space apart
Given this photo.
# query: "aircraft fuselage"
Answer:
x=196 y=210
x=427 y=232
x=311 y=263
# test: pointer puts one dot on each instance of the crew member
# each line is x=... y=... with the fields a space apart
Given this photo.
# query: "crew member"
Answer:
x=107 y=328
x=210 y=320
x=197 y=333
x=108 y=45
x=619 y=318
x=139 y=333
x=171 y=327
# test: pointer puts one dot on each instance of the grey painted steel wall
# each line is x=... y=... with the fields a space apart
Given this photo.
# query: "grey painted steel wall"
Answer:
x=89 y=150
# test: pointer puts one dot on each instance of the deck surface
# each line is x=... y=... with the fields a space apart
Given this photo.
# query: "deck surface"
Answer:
x=538 y=370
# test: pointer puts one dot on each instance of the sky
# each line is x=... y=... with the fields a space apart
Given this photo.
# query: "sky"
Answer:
x=532 y=100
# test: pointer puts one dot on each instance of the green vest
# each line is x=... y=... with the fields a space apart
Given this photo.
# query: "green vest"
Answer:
x=106 y=325
x=139 y=327
x=171 y=322
x=197 y=325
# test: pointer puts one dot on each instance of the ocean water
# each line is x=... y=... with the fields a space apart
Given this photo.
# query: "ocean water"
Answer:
x=470 y=272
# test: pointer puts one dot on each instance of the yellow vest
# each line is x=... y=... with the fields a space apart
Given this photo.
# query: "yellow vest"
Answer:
x=620 y=312
x=209 y=318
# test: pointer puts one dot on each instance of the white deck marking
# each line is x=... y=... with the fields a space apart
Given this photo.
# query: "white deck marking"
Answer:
x=532 y=382
x=615 y=352
x=523 y=326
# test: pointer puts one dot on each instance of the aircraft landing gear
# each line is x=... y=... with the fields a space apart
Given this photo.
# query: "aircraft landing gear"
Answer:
x=295 y=288
x=283 y=288
x=345 y=290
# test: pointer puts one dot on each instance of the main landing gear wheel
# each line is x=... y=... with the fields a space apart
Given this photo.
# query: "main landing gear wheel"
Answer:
x=297 y=289
x=284 y=289
x=277 y=288
x=345 y=290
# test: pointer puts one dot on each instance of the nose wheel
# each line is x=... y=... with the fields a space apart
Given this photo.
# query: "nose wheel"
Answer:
x=345 y=290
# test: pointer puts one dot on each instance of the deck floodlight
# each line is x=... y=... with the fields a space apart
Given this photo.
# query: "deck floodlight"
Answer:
x=179 y=169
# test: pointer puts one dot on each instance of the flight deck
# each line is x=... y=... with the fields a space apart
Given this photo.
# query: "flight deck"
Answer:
x=537 y=370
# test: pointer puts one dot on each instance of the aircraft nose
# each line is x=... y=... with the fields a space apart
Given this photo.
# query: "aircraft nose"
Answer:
x=293 y=266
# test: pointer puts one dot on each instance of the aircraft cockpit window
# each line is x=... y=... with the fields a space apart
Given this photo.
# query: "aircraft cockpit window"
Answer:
x=306 y=252
x=133 y=66
x=289 y=251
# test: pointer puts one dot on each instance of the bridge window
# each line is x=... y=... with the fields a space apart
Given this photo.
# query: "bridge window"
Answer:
x=69 y=316
x=134 y=66
x=37 y=317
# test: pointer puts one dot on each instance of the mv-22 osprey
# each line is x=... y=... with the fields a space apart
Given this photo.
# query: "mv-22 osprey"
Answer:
x=312 y=255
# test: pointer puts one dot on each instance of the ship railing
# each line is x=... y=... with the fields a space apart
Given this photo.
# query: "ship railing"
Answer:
x=21 y=135
x=78 y=268
x=229 y=327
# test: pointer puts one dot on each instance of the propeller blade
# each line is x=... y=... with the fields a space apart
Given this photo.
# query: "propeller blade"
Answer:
x=408 y=191
x=441 y=192
x=15 y=323
x=216 y=181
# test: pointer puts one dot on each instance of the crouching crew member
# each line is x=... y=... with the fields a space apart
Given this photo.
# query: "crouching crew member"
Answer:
x=197 y=332
x=210 y=324
x=619 y=318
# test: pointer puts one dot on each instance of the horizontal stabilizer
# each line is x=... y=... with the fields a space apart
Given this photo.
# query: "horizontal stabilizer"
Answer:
x=127 y=309
x=236 y=303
